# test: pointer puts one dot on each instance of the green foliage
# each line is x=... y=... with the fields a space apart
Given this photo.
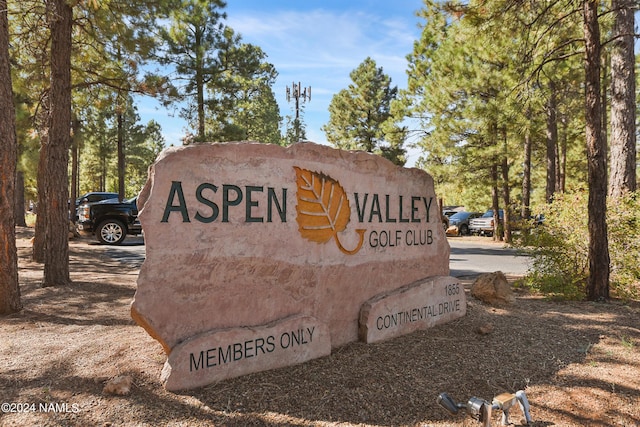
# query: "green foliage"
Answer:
x=478 y=68
x=623 y=220
x=359 y=114
x=559 y=248
x=143 y=145
x=223 y=84
x=295 y=129
x=98 y=152
x=460 y=87
x=191 y=44
x=110 y=42
x=242 y=105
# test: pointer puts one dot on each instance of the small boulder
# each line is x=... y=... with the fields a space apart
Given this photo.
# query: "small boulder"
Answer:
x=484 y=329
x=120 y=385
x=493 y=289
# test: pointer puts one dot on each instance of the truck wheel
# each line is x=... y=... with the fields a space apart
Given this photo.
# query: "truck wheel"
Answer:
x=464 y=230
x=111 y=232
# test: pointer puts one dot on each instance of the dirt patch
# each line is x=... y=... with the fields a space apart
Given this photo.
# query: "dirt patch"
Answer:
x=578 y=362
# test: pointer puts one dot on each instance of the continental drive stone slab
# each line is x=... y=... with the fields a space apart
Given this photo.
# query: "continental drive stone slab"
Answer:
x=246 y=235
x=421 y=305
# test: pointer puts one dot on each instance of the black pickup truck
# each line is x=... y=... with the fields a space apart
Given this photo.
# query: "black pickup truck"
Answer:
x=109 y=220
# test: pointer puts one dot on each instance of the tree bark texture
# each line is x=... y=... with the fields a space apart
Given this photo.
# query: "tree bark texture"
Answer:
x=598 y=280
x=19 y=204
x=604 y=70
x=552 y=142
x=121 y=164
x=525 y=213
x=73 y=195
x=495 y=202
x=9 y=286
x=506 y=189
x=39 y=240
x=506 y=197
x=562 y=156
x=623 y=101
x=56 y=267
x=200 y=90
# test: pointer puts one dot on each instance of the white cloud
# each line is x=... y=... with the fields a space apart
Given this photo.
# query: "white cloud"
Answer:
x=320 y=48
x=321 y=41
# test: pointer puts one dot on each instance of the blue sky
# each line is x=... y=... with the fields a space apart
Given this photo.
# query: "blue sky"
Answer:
x=317 y=43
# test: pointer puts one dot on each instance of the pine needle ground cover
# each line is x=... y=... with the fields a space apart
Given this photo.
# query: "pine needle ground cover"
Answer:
x=578 y=362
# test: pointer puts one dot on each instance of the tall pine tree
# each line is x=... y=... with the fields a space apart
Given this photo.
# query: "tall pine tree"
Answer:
x=623 y=103
x=9 y=289
x=192 y=43
x=358 y=114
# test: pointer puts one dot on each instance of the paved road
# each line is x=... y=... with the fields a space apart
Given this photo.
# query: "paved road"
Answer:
x=472 y=256
x=130 y=253
x=469 y=256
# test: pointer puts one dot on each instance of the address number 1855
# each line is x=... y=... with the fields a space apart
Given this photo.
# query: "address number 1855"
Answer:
x=452 y=289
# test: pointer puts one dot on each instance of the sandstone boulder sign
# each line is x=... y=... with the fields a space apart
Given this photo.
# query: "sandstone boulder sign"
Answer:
x=259 y=256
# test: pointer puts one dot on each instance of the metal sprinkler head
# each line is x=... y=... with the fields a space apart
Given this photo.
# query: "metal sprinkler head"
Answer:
x=481 y=410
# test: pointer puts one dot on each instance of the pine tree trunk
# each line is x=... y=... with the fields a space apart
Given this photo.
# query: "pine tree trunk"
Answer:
x=506 y=197
x=9 y=287
x=121 y=167
x=604 y=100
x=558 y=166
x=526 y=178
x=19 y=205
x=598 y=280
x=525 y=211
x=73 y=195
x=39 y=240
x=623 y=106
x=495 y=202
x=200 y=100
x=56 y=267
x=562 y=177
x=552 y=142
x=506 y=189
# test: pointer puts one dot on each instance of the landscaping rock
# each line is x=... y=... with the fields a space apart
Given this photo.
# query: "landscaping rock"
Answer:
x=493 y=289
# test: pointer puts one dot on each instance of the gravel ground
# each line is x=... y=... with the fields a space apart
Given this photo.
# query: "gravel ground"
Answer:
x=579 y=363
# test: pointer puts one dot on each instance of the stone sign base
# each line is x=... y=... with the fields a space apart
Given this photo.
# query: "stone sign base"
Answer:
x=283 y=254
x=221 y=354
x=420 y=305
x=217 y=355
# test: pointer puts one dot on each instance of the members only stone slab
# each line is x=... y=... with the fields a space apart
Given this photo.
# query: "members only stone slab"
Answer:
x=418 y=306
x=245 y=235
x=217 y=355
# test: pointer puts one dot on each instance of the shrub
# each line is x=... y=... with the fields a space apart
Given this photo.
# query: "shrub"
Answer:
x=559 y=248
x=623 y=221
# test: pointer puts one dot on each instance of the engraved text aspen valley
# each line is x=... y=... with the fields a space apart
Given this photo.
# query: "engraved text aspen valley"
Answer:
x=229 y=203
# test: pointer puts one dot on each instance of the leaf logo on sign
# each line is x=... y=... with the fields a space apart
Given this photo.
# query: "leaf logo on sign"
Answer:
x=323 y=209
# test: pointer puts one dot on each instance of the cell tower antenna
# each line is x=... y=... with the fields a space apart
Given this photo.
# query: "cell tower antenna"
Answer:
x=297 y=92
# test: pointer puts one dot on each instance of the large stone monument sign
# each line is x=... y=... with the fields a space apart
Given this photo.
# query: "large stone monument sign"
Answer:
x=259 y=256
